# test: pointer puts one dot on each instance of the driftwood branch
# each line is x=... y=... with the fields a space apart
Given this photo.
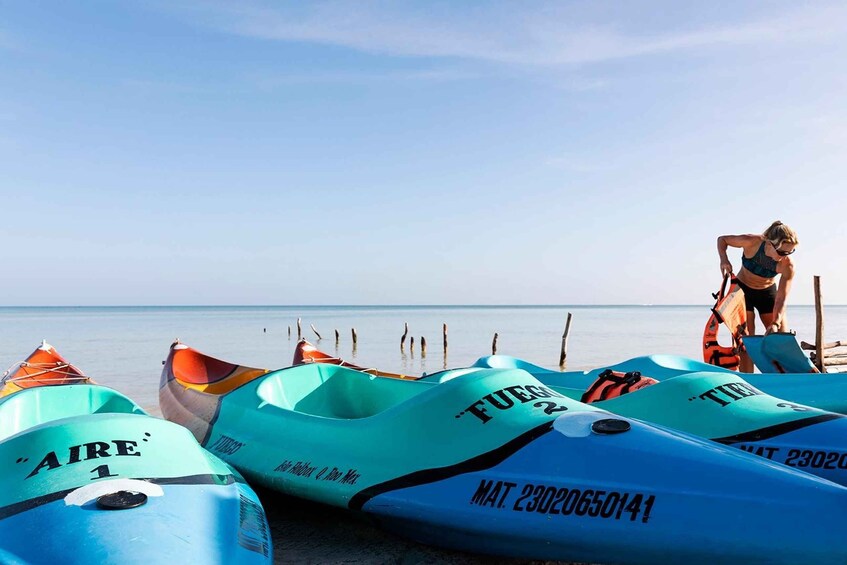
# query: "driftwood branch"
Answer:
x=812 y=347
x=316 y=331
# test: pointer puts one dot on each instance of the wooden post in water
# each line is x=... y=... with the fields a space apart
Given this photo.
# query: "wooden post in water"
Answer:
x=444 y=333
x=299 y=331
x=355 y=337
x=819 y=360
x=494 y=344
x=412 y=344
x=289 y=331
x=423 y=346
x=563 y=355
x=336 y=338
x=405 y=333
x=316 y=331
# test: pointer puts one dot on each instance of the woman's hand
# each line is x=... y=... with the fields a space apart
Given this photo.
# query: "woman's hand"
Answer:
x=772 y=329
x=726 y=268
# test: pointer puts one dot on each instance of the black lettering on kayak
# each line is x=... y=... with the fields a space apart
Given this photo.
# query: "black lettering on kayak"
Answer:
x=713 y=395
x=226 y=445
x=517 y=393
x=478 y=412
x=492 y=494
x=350 y=477
x=553 y=500
x=92 y=450
x=126 y=447
x=504 y=399
x=505 y=405
x=50 y=461
x=726 y=394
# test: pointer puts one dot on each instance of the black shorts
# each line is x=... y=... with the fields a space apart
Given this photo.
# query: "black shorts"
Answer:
x=760 y=299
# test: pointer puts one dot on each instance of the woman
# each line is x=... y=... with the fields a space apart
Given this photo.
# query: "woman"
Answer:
x=765 y=257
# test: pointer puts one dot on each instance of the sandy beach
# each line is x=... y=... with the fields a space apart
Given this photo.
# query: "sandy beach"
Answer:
x=307 y=532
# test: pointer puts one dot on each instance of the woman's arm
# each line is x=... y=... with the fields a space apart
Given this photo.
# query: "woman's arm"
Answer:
x=724 y=241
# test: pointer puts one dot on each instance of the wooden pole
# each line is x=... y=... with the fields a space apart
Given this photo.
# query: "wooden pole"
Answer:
x=494 y=344
x=412 y=344
x=423 y=346
x=405 y=333
x=819 y=325
x=563 y=355
x=336 y=337
x=316 y=331
x=444 y=333
x=355 y=337
x=299 y=331
x=289 y=332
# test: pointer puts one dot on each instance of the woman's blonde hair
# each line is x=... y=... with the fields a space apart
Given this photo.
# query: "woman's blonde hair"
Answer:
x=779 y=233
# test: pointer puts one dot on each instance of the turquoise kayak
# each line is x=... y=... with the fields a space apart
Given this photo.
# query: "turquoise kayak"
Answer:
x=825 y=391
x=717 y=405
x=494 y=461
x=90 y=478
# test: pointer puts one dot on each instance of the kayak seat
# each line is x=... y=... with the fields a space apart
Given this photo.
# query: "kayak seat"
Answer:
x=333 y=392
x=31 y=407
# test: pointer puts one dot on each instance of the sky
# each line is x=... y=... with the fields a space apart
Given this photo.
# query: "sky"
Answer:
x=184 y=152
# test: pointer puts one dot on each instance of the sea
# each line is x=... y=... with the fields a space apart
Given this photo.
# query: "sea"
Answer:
x=123 y=347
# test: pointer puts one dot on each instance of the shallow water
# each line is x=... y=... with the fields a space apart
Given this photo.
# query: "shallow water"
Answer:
x=123 y=347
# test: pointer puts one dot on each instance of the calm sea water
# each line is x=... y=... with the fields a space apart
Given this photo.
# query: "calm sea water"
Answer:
x=123 y=347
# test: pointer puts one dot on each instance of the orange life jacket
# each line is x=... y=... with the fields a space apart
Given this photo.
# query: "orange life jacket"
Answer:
x=611 y=384
x=730 y=310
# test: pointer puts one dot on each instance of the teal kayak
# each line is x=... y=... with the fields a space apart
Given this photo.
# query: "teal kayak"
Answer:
x=717 y=405
x=90 y=478
x=494 y=461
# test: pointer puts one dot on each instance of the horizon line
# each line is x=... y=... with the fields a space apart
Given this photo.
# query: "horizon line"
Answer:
x=593 y=305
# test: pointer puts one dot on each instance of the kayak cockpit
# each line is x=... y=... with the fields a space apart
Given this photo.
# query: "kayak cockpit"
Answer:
x=32 y=407
x=331 y=391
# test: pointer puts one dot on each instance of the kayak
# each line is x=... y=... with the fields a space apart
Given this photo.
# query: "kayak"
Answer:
x=305 y=352
x=91 y=478
x=494 y=461
x=825 y=391
x=720 y=406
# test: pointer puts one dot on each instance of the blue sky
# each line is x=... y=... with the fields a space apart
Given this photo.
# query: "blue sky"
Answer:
x=166 y=152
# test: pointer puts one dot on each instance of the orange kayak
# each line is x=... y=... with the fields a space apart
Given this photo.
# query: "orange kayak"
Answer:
x=305 y=353
x=44 y=367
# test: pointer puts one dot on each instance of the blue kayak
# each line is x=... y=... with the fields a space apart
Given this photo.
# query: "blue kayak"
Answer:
x=90 y=478
x=825 y=391
x=494 y=461
x=716 y=405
